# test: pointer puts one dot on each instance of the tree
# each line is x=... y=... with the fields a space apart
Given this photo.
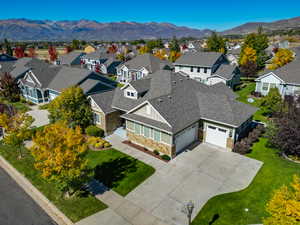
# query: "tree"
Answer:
x=9 y=88
x=155 y=44
x=121 y=57
x=68 y=49
x=248 y=62
x=174 y=56
x=20 y=52
x=282 y=57
x=32 y=52
x=174 y=45
x=8 y=48
x=71 y=106
x=161 y=54
x=112 y=49
x=284 y=207
x=75 y=44
x=249 y=69
x=17 y=129
x=216 y=43
x=143 y=49
x=52 y=53
x=59 y=153
x=271 y=103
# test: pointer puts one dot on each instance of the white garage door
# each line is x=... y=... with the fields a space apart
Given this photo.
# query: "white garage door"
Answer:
x=186 y=137
x=216 y=136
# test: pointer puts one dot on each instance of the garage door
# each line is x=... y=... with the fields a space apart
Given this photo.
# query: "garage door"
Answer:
x=216 y=136
x=186 y=137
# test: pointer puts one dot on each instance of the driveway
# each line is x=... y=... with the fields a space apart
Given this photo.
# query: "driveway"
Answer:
x=16 y=207
x=40 y=116
x=196 y=175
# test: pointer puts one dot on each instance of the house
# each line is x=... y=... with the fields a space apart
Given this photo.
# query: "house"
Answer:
x=140 y=67
x=208 y=68
x=41 y=82
x=89 y=49
x=6 y=58
x=286 y=79
x=168 y=111
x=71 y=59
x=233 y=55
x=101 y=62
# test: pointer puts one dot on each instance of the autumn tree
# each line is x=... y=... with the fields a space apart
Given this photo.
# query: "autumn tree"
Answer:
x=32 y=52
x=284 y=207
x=8 y=48
x=248 y=62
x=174 y=56
x=68 y=49
x=282 y=57
x=16 y=128
x=161 y=54
x=71 y=106
x=216 y=43
x=52 y=53
x=112 y=49
x=143 y=49
x=59 y=153
x=9 y=88
x=20 y=52
x=121 y=57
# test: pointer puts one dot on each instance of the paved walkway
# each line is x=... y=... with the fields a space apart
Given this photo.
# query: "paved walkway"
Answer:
x=196 y=175
x=120 y=212
x=40 y=116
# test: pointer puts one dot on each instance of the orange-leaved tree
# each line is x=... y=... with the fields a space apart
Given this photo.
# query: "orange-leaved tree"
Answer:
x=59 y=153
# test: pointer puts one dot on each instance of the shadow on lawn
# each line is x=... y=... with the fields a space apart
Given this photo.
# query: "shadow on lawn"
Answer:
x=112 y=172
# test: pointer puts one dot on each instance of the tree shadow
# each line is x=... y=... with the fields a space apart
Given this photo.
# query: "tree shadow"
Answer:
x=214 y=219
x=112 y=172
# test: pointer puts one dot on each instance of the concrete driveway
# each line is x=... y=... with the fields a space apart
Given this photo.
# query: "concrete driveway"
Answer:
x=40 y=116
x=196 y=175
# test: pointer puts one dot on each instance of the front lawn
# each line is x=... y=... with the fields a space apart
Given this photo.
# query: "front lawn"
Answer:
x=244 y=93
x=229 y=209
x=22 y=107
x=75 y=208
x=118 y=171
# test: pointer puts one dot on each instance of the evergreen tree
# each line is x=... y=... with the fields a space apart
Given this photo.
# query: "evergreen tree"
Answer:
x=8 y=48
x=216 y=43
x=174 y=45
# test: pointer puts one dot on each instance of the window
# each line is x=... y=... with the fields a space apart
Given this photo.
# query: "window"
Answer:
x=222 y=130
x=96 y=118
x=205 y=70
x=211 y=127
x=265 y=86
x=198 y=70
x=128 y=93
x=156 y=135
x=272 y=86
x=132 y=94
x=166 y=138
x=147 y=132
x=137 y=129
x=130 y=125
x=192 y=69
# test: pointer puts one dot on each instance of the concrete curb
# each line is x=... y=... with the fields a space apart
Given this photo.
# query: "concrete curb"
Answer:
x=35 y=194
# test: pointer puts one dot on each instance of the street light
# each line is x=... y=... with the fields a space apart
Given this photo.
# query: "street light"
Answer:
x=188 y=211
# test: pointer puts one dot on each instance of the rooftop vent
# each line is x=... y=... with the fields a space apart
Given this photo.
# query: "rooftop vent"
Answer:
x=160 y=100
x=169 y=96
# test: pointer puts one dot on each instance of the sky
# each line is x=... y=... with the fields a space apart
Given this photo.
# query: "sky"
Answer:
x=218 y=14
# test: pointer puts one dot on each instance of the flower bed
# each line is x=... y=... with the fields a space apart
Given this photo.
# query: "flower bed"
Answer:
x=97 y=144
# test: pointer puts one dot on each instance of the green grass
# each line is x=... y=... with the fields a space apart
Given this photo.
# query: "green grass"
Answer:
x=22 y=107
x=230 y=207
x=75 y=208
x=243 y=97
x=118 y=171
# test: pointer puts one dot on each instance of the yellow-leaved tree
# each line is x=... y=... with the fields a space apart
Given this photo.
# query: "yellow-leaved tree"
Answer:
x=59 y=153
x=16 y=129
x=143 y=49
x=281 y=58
x=284 y=207
x=174 y=56
x=161 y=54
x=249 y=55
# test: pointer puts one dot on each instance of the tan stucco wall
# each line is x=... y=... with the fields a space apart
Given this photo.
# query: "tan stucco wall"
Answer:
x=150 y=144
x=109 y=122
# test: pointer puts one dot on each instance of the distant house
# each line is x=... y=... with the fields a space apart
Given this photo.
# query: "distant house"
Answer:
x=286 y=79
x=208 y=68
x=140 y=67
x=71 y=59
x=101 y=61
x=89 y=49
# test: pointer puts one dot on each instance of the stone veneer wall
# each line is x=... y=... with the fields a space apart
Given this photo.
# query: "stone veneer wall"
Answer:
x=230 y=143
x=150 y=144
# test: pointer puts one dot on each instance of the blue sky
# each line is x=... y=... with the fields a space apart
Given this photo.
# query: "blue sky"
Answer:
x=215 y=14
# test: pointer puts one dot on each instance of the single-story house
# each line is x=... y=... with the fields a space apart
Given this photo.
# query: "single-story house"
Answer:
x=286 y=79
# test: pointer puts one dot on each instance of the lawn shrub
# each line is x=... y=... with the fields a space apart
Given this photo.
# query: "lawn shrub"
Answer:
x=92 y=130
x=166 y=157
x=156 y=152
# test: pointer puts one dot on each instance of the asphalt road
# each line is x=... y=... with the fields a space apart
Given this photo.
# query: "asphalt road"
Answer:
x=18 y=208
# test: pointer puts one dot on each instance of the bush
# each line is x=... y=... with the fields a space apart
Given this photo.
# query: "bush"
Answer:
x=94 y=131
x=166 y=157
x=156 y=152
x=242 y=147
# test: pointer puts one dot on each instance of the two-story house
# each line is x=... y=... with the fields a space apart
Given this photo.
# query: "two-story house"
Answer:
x=71 y=59
x=168 y=111
x=208 y=68
x=140 y=67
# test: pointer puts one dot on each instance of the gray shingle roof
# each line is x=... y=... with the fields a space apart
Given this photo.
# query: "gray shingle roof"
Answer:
x=148 y=61
x=206 y=59
x=104 y=101
x=70 y=58
x=182 y=101
x=225 y=71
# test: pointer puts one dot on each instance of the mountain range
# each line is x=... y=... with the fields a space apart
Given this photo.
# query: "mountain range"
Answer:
x=47 y=30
